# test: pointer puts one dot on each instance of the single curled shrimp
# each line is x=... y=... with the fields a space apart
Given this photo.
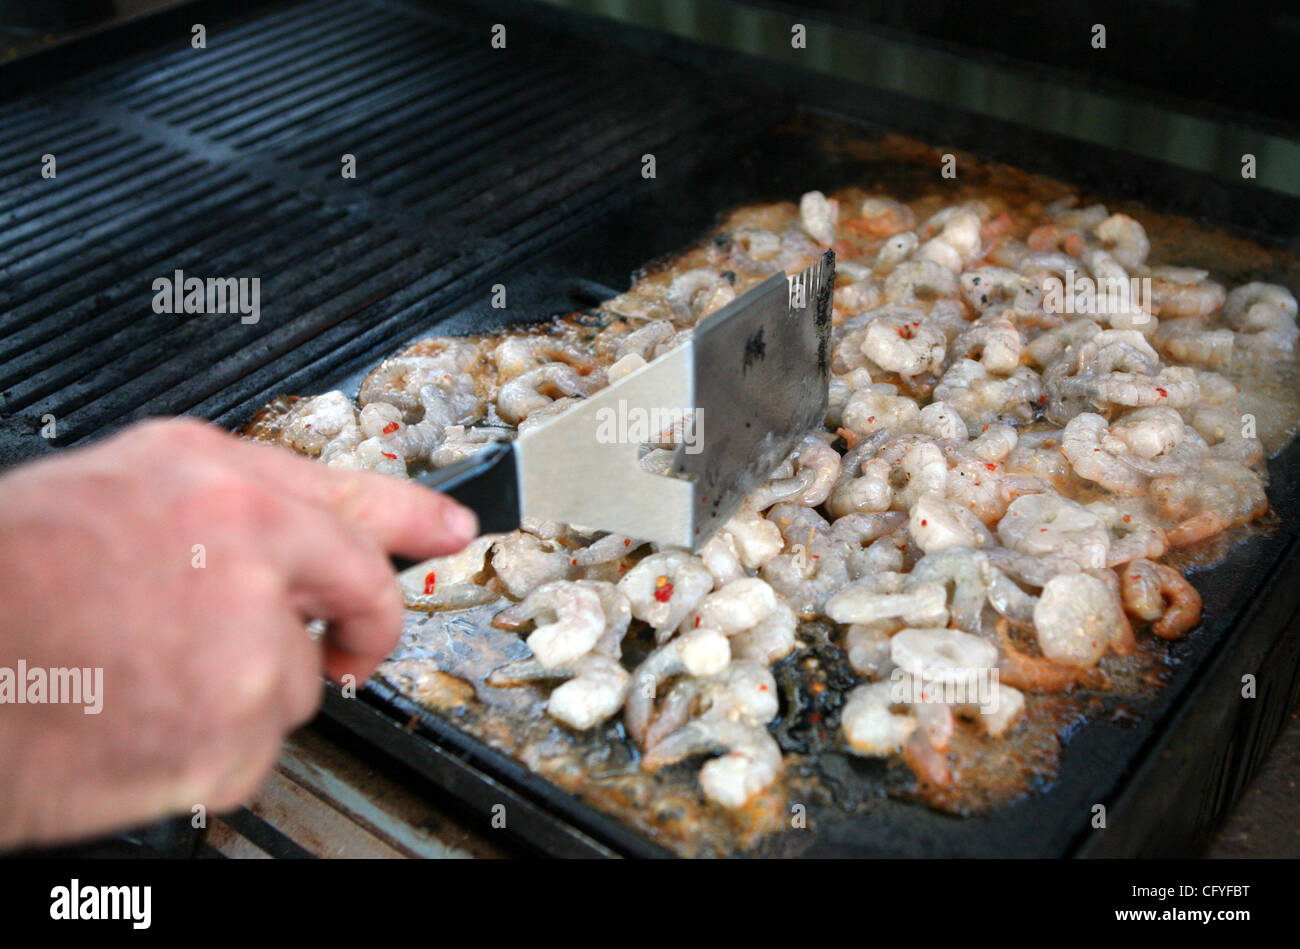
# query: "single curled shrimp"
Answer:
x=569 y=617
x=664 y=587
x=1050 y=524
x=1161 y=596
x=540 y=387
x=1076 y=618
x=1263 y=315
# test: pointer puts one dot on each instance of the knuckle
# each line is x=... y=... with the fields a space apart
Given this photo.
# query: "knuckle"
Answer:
x=223 y=497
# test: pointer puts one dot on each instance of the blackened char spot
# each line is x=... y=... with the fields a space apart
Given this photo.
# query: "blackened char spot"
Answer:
x=755 y=348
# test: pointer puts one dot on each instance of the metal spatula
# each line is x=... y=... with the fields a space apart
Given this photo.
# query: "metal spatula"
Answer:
x=734 y=399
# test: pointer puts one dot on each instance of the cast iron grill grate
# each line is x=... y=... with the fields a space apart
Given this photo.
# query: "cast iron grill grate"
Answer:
x=225 y=162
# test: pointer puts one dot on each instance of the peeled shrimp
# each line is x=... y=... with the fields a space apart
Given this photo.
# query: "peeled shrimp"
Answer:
x=1075 y=619
x=569 y=619
x=697 y=652
x=737 y=704
x=525 y=394
x=664 y=587
x=1050 y=524
x=1160 y=595
x=1264 y=316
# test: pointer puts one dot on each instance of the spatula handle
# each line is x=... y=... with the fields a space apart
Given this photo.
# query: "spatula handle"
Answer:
x=487 y=484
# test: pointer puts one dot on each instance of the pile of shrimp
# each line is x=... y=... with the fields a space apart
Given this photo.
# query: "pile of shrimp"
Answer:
x=995 y=486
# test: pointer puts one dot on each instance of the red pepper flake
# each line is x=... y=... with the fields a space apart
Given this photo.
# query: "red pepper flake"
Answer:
x=1127 y=518
x=430 y=579
x=924 y=522
x=627 y=541
x=905 y=331
x=697 y=622
x=989 y=465
x=574 y=561
x=664 y=593
x=388 y=454
x=871 y=418
x=814 y=718
x=762 y=688
x=1163 y=393
x=390 y=428
x=1042 y=400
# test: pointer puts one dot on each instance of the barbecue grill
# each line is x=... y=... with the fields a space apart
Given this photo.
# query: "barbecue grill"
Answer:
x=477 y=166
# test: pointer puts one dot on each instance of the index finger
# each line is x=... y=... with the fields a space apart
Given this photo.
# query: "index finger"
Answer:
x=402 y=517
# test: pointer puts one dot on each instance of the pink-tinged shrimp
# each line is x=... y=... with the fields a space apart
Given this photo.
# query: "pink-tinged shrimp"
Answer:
x=1162 y=596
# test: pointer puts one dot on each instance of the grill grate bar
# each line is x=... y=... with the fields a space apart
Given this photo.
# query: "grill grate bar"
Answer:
x=172 y=204
x=47 y=315
x=229 y=49
x=304 y=73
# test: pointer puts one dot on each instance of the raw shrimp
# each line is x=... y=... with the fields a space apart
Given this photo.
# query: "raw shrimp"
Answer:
x=697 y=652
x=606 y=549
x=1222 y=493
x=917 y=466
x=771 y=640
x=664 y=587
x=818 y=215
x=569 y=617
x=809 y=573
x=537 y=388
x=878 y=406
x=875 y=721
x=880 y=596
x=864 y=483
x=1126 y=239
x=885 y=217
x=956 y=245
x=893 y=252
x=986 y=286
x=1172 y=298
x=460 y=443
x=449 y=582
x=982 y=398
x=943 y=656
x=1099 y=456
x=444 y=364
x=937 y=523
x=737 y=704
x=1263 y=314
x=522 y=562
x=962 y=573
x=324 y=421
x=1161 y=596
x=1225 y=431
x=1194 y=341
x=813 y=454
x=596 y=689
x=1038 y=673
x=1159 y=442
x=904 y=344
x=1133 y=533
x=840 y=390
x=995 y=338
x=913 y=280
x=940 y=421
x=1064 y=212
x=1076 y=617
x=735 y=608
x=995 y=442
x=516 y=355
x=1050 y=524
